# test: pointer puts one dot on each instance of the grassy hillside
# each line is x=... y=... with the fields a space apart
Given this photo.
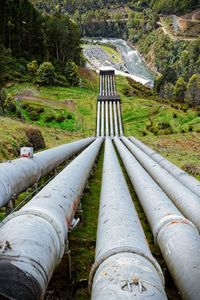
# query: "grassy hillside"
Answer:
x=70 y=113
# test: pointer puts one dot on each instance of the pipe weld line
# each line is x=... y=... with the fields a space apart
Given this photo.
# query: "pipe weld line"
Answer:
x=169 y=219
x=119 y=250
x=44 y=216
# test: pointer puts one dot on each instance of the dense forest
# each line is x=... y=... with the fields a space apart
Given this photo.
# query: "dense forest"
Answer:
x=35 y=47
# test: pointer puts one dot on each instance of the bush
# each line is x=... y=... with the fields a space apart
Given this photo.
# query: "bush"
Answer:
x=71 y=72
x=46 y=73
x=61 y=80
x=35 y=138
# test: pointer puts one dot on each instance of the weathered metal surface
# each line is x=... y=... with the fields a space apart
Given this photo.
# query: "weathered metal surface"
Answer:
x=19 y=174
x=34 y=238
x=177 y=237
x=124 y=267
x=189 y=181
x=185 y=200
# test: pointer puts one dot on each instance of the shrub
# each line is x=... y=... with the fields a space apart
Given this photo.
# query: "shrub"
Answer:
x=46 y=73
x=71 y=72
x=35 y=138
x=32 y=67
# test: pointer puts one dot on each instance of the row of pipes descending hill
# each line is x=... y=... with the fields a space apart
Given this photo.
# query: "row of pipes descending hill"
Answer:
x=34 y=238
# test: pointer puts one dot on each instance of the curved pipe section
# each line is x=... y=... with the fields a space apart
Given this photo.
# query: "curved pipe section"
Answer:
x=33 y=240
x=19 y=174
x=124 y=267
x=177 y=238
x=185 y=200
x=189 y=181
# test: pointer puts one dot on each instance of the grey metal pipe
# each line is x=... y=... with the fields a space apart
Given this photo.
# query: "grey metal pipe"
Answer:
x=185 y=200
x=177 y=238
x=124 y=267
x=114 y=86
x=108 y=88
x=100 y=85
x=33 y=240
x=103 y=85
x=102 y=118
x=107 y=122
x=111 y=85
x=108 y=85
x=98 y=118
x=119 y=118
x=115 y=119
x=189 y=181
x=19 y=174
x=111 y=119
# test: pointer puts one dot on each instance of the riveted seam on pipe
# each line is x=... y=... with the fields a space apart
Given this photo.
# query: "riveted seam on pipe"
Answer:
x=124 y=249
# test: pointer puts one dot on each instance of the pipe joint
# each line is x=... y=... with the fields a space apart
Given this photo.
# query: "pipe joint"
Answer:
x=173 y=219
x=46 y=217
x=124 y=249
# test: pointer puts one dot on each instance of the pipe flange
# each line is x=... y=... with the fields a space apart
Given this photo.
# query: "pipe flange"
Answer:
x=125 y=249
x=44 y=216
x=168 y=219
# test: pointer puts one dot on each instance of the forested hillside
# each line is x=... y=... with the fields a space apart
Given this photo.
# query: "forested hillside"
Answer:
x=28 y=40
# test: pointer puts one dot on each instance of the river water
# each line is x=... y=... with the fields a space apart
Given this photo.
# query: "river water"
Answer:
x=133 y=62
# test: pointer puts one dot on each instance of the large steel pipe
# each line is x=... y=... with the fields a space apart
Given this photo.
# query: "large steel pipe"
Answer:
x=111 y=119
x=189 y=181
x=108 y=84
x=124 y=267
x=107 y=120
x=111 y=85
x=33 y=240
x=185 y=200
x=114 y=86
x=103 y=85
x=19 y=174
x=177 y=238
x=100 y=85
x=102 y=118
x=115 y=119
x=119 y=118
x=98 y=118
